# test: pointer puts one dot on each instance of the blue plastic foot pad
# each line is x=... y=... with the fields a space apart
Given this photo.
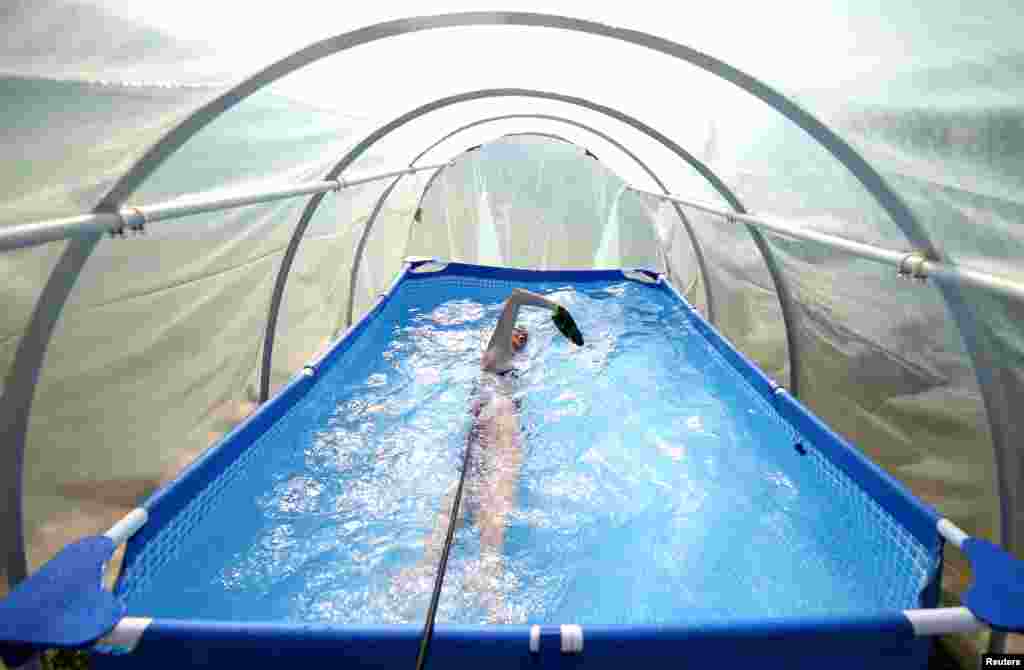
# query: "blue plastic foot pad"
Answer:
x=997 y=595
x=62 y=605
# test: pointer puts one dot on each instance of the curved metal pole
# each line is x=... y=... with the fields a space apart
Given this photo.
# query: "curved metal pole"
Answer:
x=635 y=123
x=19 y=391
x=715 y=181
x=356 y=264
x=1002 y=422
x=550 y=136
x=170 y=142
x=355 y=152
x=996 y=406
x=358 y=258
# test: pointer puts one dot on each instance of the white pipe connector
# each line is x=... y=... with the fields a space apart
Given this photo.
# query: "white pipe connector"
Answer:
x=429 y=267
x=534 y=639
x=943 y=621
x=638 y=276
x=953 y=534
x=572 y=639
x=126 y=634
x=128 y=526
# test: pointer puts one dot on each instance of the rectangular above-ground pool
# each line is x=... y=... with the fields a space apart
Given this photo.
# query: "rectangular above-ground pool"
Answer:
x=668 y=499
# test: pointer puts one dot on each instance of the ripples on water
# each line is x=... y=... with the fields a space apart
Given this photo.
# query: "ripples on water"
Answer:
x=652 y=488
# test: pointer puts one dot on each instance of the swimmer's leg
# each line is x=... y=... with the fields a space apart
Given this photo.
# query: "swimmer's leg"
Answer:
x=419 y=578
x=434 y=544
x=414 y=583
x=498 y=497
x=478 y=437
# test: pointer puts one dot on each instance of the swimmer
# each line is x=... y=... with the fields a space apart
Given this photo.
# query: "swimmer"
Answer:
x=496 y=440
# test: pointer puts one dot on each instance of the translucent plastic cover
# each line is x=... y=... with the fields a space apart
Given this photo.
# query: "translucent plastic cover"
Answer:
x=157 y=352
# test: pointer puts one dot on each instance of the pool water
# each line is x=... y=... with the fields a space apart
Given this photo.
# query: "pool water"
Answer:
x=656 y=485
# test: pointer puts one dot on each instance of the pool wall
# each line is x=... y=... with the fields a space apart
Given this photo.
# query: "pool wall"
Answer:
x=854 y=644
x=880 y=641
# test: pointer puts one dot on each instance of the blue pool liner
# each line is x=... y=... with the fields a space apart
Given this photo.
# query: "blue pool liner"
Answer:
x=63 y=606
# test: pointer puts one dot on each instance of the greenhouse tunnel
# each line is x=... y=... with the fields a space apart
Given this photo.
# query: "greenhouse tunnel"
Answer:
x=132 y=345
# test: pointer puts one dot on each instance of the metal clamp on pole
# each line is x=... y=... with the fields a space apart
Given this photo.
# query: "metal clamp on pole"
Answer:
x=134 y=219
x=128 y=526
x=912 y=266
x=130 y=218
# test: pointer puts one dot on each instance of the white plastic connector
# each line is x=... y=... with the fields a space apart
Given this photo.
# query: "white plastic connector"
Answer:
x=128 y=526
x=126 y=634
x=943 y=620
x=912 y=265
x=133 y=218
x=572 y=639
x=638 y=276
x=430 y=266
x=952 y=532
x=535 y=639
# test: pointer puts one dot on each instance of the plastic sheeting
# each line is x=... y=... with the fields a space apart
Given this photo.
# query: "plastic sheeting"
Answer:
x=538 y=203
x=678 y=255
x=65 y=142
x=156 y=353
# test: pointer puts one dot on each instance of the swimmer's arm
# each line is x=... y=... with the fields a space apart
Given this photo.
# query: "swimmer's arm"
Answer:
x=499 y=351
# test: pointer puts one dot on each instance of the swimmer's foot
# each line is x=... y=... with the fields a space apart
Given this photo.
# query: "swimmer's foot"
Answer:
x=485 y=575
x=410 y=589
x=498 y=612
x=417 y=578
x=489 y=582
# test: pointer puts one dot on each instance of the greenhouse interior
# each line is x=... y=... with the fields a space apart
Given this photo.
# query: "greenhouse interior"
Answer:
x=826 y=192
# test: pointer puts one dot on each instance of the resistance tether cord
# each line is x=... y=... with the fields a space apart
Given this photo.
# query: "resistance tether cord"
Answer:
x=428 y=629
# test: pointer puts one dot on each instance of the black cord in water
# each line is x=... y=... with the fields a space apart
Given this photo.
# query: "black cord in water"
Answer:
x=428 y=628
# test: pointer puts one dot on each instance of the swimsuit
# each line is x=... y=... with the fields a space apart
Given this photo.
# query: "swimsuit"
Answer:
x=488 y=388
x=491 y=384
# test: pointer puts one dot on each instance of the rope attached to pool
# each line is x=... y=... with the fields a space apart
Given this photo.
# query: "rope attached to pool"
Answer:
x=428 y=627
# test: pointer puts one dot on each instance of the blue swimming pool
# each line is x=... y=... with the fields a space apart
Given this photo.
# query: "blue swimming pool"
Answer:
x=671 y=501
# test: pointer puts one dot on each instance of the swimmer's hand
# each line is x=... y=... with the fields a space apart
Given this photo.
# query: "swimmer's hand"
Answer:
x=567 y=326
